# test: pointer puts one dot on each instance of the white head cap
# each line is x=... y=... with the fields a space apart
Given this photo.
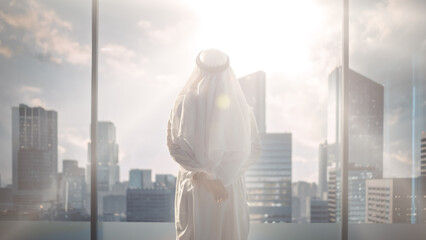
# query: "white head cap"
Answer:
x=212 y=60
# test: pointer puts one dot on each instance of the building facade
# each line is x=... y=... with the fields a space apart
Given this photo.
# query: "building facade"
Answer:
x=303 y=191
x=268 y=181
x=365 y=150
x=107 y=157
x=318 y=210
x=391 y=200
x=140 y=178
x=322 y=170
x=149 y=205
x=34 y=155
x=72 y=186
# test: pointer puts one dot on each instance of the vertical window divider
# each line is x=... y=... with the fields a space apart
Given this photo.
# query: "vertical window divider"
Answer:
x=93 y=126
x=345 y=125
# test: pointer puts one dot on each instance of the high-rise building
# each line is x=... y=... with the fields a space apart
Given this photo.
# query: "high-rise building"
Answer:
x=72 y=186
x=333 y=195
x=322 y=170
x=356 y=189
x=268 y=181
x=34 y=147
x=253 y=86
x=365 y=113
x=303 y=191
x=140 y=178
x=107 y=157
x=149 y=205
x=423 y=157
x=317 y=210
x=391 y=200
x=34 y=154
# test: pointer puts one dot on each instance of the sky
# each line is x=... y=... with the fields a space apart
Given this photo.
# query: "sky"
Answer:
x=147 y=51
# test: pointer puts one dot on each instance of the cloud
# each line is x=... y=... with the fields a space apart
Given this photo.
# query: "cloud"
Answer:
x=46 y=34
x=144 y=24
x=5 y=51
x=120 y=63
x=393 y=117
x=29 y=89
x=33 y=96
x=72 y=136
x=299 y=159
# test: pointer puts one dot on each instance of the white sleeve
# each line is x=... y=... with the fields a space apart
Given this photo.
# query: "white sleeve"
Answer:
x=231 y=170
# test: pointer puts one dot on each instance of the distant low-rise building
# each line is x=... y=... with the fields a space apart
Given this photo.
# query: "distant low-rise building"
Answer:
x=149 y=205
x=391 y=200
x=318 y=210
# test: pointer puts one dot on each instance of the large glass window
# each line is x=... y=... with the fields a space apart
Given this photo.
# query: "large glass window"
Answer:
x=287 y=56
x=387 y=111
x=283 y=55
x=45 y=111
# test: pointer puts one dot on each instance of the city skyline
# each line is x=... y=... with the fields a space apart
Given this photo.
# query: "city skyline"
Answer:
x=139 y=77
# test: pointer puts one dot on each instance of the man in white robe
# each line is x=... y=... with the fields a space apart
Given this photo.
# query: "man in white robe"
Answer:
x=212 y=135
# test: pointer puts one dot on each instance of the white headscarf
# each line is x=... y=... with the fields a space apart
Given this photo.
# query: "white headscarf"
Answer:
x=210 y=124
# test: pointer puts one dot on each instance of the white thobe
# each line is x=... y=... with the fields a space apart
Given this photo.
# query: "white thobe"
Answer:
x=197 y=214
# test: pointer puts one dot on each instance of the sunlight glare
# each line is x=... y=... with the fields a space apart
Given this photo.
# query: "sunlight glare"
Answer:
x=273 y=36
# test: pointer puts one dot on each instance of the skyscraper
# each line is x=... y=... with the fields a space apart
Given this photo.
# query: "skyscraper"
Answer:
x=365 y=135
x=72 y=186
x=34 y=147
x=140 y=178
x=268 y=181
x=322 y=170
x=107 y=156
x=302 y=192
x=34 y=154
x=253 y=86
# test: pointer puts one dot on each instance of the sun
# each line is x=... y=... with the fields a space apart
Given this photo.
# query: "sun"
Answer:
x=273 y=36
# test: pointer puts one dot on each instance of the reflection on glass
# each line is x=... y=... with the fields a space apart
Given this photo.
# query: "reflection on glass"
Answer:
x=45 y=77
x=387 y=46
x=365 y=158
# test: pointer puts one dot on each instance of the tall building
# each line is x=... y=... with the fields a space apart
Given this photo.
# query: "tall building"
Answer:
x=253 y=86
x=391 y=200
x=268 y=181
x=72 y=186
x=365 y=135
x=34 y=147
x=140 y=178
x=149 y=205
x=107 y=156
x=423 y=157
x=303 y=191
x=317 y=210
x=322 y=170
x=333 y=195
x=34 y=154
